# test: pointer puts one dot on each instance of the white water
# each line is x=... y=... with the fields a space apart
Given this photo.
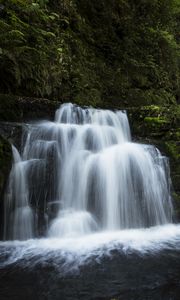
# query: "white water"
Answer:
x=68 y=254
x=18 y=214
x=85 y=163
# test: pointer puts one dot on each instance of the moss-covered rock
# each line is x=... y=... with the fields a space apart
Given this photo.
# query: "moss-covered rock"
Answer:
x=20 y=109
x=155 y=121
x=172 y=148
x=159 y=125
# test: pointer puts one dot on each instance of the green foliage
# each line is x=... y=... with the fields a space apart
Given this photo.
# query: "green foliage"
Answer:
x=91 y=52
x=155 y=120
x=135 y=52
x=173 y=149
x=32 y=49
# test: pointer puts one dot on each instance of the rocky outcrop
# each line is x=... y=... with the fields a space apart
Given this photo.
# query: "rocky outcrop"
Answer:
x=160 y=125
x=13 y=132
x=23 y=109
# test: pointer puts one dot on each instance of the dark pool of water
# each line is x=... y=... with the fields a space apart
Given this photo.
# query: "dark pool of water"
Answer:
x=119 y=276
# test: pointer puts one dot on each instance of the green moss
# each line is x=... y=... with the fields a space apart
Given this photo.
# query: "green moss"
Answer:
x=172 y=148
x=176 y=198
x=155 y=120
x=177 y=134
x=173 y=134
x=152 y=108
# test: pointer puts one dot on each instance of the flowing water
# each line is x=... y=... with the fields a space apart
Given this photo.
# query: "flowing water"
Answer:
x=18 y=214
x=101 y=205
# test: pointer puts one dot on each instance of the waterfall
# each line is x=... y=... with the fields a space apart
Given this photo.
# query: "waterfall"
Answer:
x=82 y=173
x=18 y=214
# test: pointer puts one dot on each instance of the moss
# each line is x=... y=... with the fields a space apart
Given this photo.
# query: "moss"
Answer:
x=159 y=125
x=172 y=148
x=155 y=120
x=176 y=200
x=177 y=134
x=173 y=134
x=152 y=107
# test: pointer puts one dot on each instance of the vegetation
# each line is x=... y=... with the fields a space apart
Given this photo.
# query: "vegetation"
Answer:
x=33 y=48
x=91 y=52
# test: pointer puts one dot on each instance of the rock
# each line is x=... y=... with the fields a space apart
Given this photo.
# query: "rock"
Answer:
x=24 y=109
x=159 y=125
x=5 y=166
x=12 y=132
x=5 y=162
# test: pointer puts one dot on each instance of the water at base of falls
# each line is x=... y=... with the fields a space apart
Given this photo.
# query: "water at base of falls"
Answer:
x=134 y=264
x=85 y=163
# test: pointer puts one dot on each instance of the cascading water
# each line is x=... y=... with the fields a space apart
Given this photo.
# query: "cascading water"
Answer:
x=18 y=214
x=85 y=165
x=102 y=204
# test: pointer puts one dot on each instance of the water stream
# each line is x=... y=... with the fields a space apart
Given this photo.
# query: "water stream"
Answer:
x=81 y=195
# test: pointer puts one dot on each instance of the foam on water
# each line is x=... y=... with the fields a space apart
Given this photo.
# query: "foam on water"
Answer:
x=68 y=254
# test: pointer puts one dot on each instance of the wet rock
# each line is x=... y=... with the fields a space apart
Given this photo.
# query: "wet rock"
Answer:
x=5 y=166
x=5 y=162
x=12 y=132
